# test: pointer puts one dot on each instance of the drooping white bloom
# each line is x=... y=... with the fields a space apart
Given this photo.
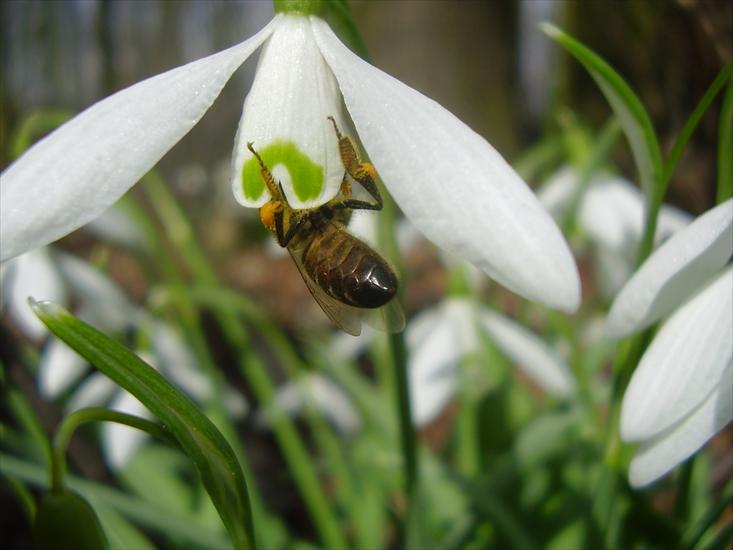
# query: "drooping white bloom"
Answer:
x=610 y=211
x=31 y=274
x=318 y=392
x=440 y=338
x=674 y=272
x=102 y=303
x=681 y=393
x=454 y=187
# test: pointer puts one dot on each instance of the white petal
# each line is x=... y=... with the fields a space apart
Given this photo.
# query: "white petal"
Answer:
x=674 y=271
x=101 y=302
x=60 y=367
x=613 y=268
x=530 y=353
x=74 y=174
x=334 y=403
x=31 y=275
x=121 y=442
x=658 y=456
x=347 y=347
x=178 y=363
x=612 y=213
x=319 y=392
x=285 y=117
x=235 y=403
x=683 y=364
x=437 y=339
x=452 y=184
x=96 y=390
x=557 y=193
x=117 y=226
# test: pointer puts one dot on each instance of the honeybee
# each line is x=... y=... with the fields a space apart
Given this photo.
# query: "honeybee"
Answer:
x=348 y=279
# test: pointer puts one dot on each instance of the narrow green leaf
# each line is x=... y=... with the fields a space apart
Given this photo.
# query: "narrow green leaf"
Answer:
x=202 y=442
x=725 y=145
x=694 y=119
x=632 y=115
x=695 y=532
x=121 y=534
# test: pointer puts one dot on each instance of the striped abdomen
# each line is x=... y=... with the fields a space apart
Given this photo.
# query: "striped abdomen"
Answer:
x=348 y=269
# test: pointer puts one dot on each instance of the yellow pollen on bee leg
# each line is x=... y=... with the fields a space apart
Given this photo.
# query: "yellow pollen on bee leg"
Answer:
x=267 y=215
x=368 y=168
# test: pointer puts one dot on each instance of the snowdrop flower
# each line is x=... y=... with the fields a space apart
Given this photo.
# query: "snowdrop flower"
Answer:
x=611 y=213
x=452 y=185
x=315 y=391
x=681 y=393
x=31 y=274
x=103 y=304
x=439 y=338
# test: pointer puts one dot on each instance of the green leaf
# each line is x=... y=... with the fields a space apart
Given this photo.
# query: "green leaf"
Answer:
x=154 y=518
x=725 y=146
x=65 y=521
x=154 y=475
x=546 y=437
x=198 y=437
x=694 y=119
x=626 y=105
x=121 y=534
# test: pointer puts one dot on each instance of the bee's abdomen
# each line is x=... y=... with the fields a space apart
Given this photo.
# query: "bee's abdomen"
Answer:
x=349 y=270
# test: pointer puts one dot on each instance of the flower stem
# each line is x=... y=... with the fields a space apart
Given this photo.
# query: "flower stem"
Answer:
x=300 y=7
x=408 y=439
x=398 y=353
x=694 y=533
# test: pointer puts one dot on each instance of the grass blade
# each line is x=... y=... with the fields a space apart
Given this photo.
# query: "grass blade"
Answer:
x=632 y=115
x=725 y=146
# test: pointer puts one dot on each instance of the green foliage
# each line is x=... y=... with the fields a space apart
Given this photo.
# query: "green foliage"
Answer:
x=197 y=436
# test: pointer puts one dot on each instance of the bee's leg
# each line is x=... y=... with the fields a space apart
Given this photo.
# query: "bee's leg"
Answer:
x=363 y=172
x=275 y=190
x=294 y=223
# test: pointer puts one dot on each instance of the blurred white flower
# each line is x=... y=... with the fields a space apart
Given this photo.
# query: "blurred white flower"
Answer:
x=451 y=184
x=37 y=274
x=611 y=213
x=32 y=274
x=681 y=393
x=318 y=392
x=100 y=302
x=116 y=226
x=441 y=337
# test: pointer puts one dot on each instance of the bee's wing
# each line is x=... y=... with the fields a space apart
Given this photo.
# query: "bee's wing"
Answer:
x=388 y=318
x=346 y=317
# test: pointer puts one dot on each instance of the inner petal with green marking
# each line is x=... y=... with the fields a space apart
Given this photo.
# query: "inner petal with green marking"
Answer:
x=306 y=175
